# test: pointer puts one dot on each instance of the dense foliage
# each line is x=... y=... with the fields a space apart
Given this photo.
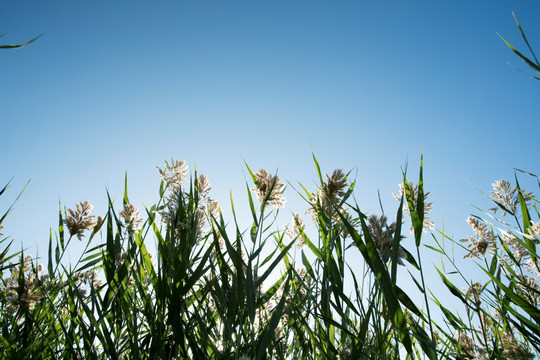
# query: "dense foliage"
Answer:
x=215 y=291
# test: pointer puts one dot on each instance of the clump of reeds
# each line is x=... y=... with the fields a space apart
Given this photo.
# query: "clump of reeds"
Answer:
x=502 y=314
x=325 y=289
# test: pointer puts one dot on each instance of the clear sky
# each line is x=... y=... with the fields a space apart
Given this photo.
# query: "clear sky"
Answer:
x=366 y=86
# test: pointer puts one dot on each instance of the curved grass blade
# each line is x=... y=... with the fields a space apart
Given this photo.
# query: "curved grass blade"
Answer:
x=16 y=46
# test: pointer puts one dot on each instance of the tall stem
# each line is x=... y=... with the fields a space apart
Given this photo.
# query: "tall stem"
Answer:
x=424 y=291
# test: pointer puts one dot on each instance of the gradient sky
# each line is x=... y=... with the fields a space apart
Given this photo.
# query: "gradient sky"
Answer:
x=366 y=86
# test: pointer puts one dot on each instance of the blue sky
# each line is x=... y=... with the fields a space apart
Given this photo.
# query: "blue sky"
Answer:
x=366 y=86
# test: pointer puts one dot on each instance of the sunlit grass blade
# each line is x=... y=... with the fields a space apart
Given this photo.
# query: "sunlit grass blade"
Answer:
x=525 y=38
x=16 y=46
x=125 y=198
x=10 y=208
x=397 y=240
x=453 y=289
x=319 y=174
x=531 y=64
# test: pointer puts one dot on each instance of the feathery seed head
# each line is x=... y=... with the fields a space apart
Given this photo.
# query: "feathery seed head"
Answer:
x=79 y=221
x=528 y=288
x=335 y=185
x=473 y=293
x=328 y=196
x=427 y=224
x=519 y=252
x=23 y=295
x=504 y=196
x=513 y=350
x=383 y=237
x=466 y=346
x=99 y=224
x=174 y=173
x=203 y=186
x=533 y=267
x=535 y=228
x=482 y=241
x=213 y=209
x=133 y=222
x=269 y=189
x=296 y=231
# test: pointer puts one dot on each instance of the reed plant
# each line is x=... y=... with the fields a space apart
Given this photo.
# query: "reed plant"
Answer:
x=324 y=288
x=501 y=317
x=532 y=62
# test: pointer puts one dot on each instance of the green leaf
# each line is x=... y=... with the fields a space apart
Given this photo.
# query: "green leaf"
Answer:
x=525 y=38
x=60 y=226
x=407 y=302
x=126 y=199
x=318 y=169
x=532 y=65
x=14 y=201
x=435 y=249
x=274 y=264
x=397 y=240
x=416 y=212
x=526 y=217
x=14 y=46
x=453 y=289
x=420 y=202
x=252 y=208
x=316 y=251
x=425 y=342
x=253 y=177
x=410 y=258
x=454 y=320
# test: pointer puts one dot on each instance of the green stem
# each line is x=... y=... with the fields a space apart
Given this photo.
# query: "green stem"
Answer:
x=424 y=291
